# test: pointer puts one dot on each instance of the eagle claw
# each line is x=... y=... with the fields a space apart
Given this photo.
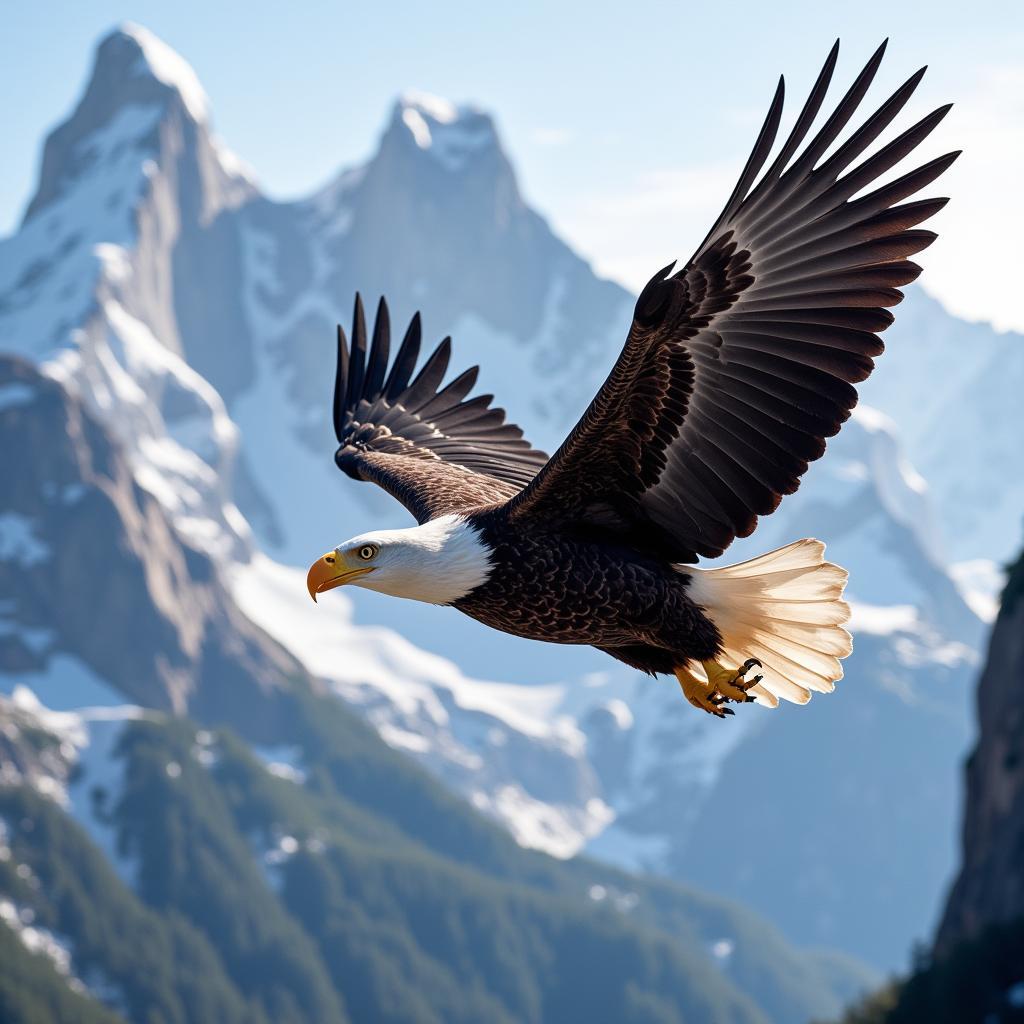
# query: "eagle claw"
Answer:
x=730 y=684
x=723 y=685
x=701 y=694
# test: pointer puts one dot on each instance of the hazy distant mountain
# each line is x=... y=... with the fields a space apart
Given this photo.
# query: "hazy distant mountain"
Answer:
x=194 y=319
x=951 y=388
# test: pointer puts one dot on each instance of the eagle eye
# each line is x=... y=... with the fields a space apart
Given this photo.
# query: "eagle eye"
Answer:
x=367 y=551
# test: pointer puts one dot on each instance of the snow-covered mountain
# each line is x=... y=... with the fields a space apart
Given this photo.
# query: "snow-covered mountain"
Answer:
x=436 y=222
x=194 y=318
x=90 y=282
x=952 y=390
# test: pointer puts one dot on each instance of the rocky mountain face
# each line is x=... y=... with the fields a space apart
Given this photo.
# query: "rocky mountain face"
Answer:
x=192 y=318
x=990 y=887
x=95 y=571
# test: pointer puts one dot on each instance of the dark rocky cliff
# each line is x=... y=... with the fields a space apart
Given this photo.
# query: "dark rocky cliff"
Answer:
x=990 y=887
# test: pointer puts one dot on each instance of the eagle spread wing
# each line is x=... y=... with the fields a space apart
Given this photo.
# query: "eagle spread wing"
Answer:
x=433 y=450
x=738 y=366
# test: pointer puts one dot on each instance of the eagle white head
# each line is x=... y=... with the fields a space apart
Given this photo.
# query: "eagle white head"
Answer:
x=438 y=562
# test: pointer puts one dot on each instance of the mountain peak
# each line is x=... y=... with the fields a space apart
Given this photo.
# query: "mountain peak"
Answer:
x=133 y=65
x=141 y=53
x=451 y=133
x=138 y=83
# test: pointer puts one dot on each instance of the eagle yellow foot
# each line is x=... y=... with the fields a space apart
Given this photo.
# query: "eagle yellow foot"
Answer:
x=731 y=683
x=702 y=695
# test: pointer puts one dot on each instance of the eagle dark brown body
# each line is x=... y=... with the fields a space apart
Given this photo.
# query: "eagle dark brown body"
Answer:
x=633 y=606
x=736 y=369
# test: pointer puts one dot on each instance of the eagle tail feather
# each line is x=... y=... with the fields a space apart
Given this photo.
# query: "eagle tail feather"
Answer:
x=786 y=609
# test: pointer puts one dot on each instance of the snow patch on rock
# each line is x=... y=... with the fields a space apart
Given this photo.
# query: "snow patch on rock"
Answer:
x=19 y=543
x=452 y=134
x=486 y=739
x=84 y=719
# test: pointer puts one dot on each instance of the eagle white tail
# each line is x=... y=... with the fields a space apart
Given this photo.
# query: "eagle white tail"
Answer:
x=786 y=609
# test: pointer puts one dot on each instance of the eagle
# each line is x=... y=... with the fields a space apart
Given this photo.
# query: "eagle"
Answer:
x=736 y=369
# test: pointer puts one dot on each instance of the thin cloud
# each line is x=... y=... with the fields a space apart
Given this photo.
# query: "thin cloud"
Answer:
x=661 y=215
x=976 y=266
x=552 y=137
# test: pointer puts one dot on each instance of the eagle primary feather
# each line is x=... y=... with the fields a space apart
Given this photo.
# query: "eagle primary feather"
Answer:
x=736 y=370
x=740 y=365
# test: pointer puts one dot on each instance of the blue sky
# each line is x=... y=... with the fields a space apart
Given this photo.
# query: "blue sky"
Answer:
x=626 y=123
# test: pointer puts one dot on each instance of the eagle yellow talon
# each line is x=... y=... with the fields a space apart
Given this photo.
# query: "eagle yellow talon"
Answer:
x=700 y=694
x=731 y=682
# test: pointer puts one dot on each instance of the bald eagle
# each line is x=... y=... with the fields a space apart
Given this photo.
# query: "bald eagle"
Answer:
x=735 y=370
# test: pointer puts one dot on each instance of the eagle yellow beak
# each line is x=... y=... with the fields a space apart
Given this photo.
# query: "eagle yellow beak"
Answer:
x=329 y=572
